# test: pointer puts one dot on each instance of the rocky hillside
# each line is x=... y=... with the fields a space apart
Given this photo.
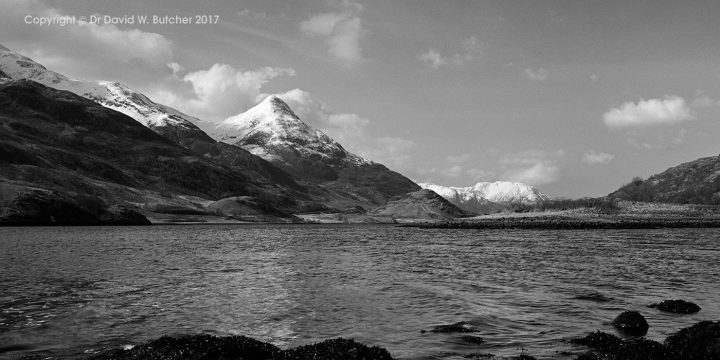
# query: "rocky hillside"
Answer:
x=274 y=132
x=168 y=122
x=694 y=182
x=66 y=159
x=423 y=204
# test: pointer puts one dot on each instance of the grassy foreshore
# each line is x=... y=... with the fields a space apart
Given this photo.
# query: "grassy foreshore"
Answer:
x=625 y=215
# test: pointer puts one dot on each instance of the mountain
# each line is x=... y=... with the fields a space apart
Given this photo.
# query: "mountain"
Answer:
x=113 y=95
x=488 y=197
x=166 y=121
x=423 y=204
x=271 y=130
x=694 y=182
x=65 y=159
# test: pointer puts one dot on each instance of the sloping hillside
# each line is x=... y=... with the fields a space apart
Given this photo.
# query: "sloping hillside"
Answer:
x=694 y=182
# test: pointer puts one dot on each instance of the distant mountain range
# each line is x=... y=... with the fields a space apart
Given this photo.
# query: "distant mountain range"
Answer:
x=489 y=197
x=694 y=182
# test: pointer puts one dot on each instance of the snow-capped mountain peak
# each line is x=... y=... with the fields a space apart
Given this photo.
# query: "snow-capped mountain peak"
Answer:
x=112 y=95
x=482 y=196
x=273 y=124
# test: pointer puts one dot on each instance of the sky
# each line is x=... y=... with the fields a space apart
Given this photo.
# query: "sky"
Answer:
x=574 y=97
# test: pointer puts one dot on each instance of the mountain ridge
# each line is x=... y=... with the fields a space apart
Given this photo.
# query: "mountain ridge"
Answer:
x=696 y=182
x=488 y=197
x=274 y=132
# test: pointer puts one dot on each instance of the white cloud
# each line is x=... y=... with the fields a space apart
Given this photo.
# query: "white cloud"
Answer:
x=534 y=167
x=175 y=67
x=222 y=90
x=666 y=111
x=84 y=50
x=594 y=78
x=539 y=74
x=471 y=49
x=350 y=130
x=457 y=159
x=538 y=174
x=250 y=14
x=342 y=31
x=704 y=101
x=593 y=157
x=434 y=58
x=479 y=175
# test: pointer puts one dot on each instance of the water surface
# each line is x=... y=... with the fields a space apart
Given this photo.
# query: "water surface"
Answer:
x=66 y=291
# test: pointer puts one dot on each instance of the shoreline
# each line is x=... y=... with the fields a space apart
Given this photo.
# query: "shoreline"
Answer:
x=556 y=222
x=692 y=342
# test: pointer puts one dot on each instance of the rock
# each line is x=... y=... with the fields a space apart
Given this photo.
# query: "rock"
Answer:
x=631 y=323
x=610 y=347
x=599 y=340
x=698 y=342
x=458 y=327
x=676 y=306
x=208 y=347
x=473 y=339
x=593 y=296
x=335 y=349
x=196 y=347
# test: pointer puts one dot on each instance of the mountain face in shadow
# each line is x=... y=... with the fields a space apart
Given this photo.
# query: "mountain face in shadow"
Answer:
x=63 y=157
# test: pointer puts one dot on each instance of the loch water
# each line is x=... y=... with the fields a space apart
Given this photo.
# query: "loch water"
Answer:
x=70 y=291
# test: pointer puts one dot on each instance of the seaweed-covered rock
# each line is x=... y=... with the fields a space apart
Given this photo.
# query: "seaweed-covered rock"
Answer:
x=208 y=347
x=631 y=323
x=610 y=347
x=335 y=349
x=698 y=342
x=676 y=306
x=196 y=347
x=599 y=340
x=458 y=327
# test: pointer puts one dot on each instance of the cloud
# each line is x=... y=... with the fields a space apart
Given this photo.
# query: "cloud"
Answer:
x=704 y=101
x=471 y=49
x=458 y=159
x=434 y=58
x=479 y=175
x=222 y=91
x=534 y=167
x=341 y=30
x=84 y=50
x=594 y=78
x=669 y=110
x=593 y=157
x=535 y=75
x=538 y=174
x=250 y=14
x=350 y=130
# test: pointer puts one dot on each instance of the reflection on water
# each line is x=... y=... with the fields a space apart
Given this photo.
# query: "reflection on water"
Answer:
x=69 y=291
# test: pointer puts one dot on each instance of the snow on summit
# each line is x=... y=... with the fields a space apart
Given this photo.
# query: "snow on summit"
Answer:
x=498 y=192
x=112 y=95
x=273 y=124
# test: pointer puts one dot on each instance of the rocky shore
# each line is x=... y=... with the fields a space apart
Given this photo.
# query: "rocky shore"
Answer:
x=698 y=342
x=569 y=222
